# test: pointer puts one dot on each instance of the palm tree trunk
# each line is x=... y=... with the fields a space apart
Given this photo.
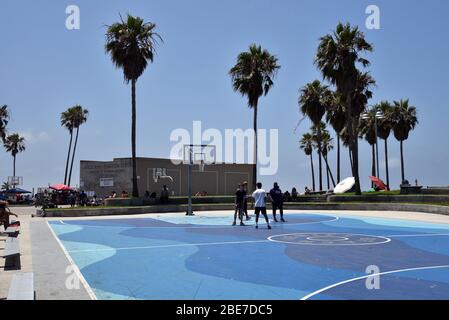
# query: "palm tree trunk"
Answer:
x=255 y=146
x=135 y=192
x=73 y=155
x=320 y=165
x=68 y=157
x=350 y=158
x=355 y=159
x=402 y=162
x=353 y=143
x=386 y=163
x=329 y=171
x=327 y=177
x=14 y=166
x=373 y=163
x=338 y=158
x=313 y=172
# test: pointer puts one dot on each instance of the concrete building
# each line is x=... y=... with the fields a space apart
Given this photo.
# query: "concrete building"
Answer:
x=103 y=177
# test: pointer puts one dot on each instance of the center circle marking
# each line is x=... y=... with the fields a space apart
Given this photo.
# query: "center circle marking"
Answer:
x=329 y=239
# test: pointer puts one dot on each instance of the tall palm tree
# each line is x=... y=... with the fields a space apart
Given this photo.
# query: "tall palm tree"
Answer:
x=14 y=144
x=131 y=44
x=252 y=76
x=313 y=102
x=337 y=57
x=335 y=116
x=383 y=131
x=306 y=144
x=367 y=130
x=80 y=117
x=327 y=146
x=67 y=121
x=404 y=120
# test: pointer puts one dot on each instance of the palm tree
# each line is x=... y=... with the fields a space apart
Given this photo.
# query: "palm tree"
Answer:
x=252 y=76
x=79 y=117
x=335 y=116
x=404 y=120
x=307 y=144
x=5 y=186
x=67 y=121
x=383 y=131
x=4 y=119
x=14 y=144
x=337 y=57
x=313 y=102
x=326 y=146
x=367 y=130
x=131 y=44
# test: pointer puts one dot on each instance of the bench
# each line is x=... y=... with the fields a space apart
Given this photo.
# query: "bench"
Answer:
x=408 y=189
x=22 y=287
x=11 y=253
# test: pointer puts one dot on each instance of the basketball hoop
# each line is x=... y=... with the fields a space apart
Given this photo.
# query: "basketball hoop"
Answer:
x=160 y=173
x=200 y=155
x=15 y=181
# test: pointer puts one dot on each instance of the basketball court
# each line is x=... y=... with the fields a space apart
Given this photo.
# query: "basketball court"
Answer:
x=311 y=256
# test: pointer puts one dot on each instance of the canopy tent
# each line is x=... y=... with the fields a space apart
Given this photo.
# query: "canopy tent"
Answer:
x=60 y=187
x=17 y=191
x=379 y=183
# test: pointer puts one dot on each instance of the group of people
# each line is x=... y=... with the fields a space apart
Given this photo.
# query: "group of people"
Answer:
x=259 y=195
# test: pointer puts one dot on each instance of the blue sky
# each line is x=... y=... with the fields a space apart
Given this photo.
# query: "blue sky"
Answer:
x=46 y=68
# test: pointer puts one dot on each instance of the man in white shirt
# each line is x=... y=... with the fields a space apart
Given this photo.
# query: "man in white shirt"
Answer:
x=259 y=204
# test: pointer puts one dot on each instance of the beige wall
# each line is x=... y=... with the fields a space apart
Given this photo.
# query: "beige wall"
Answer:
x=217 y=179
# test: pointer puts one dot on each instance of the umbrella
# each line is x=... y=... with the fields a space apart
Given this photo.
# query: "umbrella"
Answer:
x=60 y=187
x=344 y=186
x=379 y=183
x=17 y=191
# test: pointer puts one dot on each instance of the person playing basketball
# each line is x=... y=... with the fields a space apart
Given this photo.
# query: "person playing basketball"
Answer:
x=245 y=202
x=277 y=201
x=259 y=204
x=240 y=196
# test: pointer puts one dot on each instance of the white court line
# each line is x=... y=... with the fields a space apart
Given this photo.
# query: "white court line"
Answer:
x=171 y=246
x=369 y=276
x=189 y=226
x=75 y=269
x=273 y=239
x=419 y=235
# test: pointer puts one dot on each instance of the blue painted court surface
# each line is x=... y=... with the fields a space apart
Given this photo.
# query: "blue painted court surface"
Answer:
x=311 y=256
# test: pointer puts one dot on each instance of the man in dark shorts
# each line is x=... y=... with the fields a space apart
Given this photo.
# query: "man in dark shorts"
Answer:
x=245 y=202
x=259 y=204
x=277 y=201
x=240 y=196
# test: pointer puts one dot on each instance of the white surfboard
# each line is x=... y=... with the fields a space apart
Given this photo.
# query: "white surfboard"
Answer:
x=345 y=185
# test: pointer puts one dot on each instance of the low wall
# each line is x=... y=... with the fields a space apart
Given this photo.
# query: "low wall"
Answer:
x=123 y=202
x=111 y=211
x=425 y=208
x=418 y=198
x=444 y=210
x=436 y=191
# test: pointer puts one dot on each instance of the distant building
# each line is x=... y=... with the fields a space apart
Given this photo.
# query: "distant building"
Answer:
x=103 y=177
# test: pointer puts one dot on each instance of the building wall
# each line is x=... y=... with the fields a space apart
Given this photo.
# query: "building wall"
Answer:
x=217 y=179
